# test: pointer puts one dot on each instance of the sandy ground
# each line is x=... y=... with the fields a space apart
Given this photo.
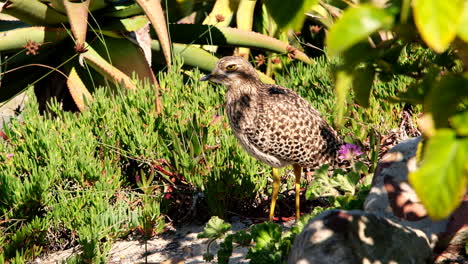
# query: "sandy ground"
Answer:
x=176 y=246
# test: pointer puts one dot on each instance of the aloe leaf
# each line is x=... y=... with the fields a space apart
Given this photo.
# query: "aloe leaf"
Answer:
x=322 y=14
x=78 y=90
x=114 y=26
x=127 y=57
x=244 y=20
x=122 y=11
x=221 y=15
x=356 y=25
x=16 y=38
x=155 y=13
x=78 y=16
x=438 y=21
x=93 y=5
x=198 y=57
x=106 y=69
x=226 y=36
x=192 y=55
x=33 y=12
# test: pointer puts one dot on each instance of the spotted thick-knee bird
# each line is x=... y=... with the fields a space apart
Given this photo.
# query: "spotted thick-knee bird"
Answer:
x=274 y=124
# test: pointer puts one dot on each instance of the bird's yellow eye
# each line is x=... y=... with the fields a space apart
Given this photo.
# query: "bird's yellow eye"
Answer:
x=231 y=67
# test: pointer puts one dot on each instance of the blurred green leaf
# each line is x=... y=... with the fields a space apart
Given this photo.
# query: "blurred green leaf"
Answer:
x=441 y=180
x=242 y=238
x=444 y=98
x=290 y=14
x=438 y=21
x=355 y=25
x=363 y=78
x=463 y=27
x=344 y=80
x=265 y=234
x=460 y=123
x=215 y=228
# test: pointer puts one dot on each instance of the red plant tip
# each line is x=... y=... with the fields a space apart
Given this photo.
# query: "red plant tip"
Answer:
x=168 y=192
x=291 y=52
x=315 y=29
x=220 y=18
x=3 y=135
x=260 y=59
x=9 y=155
x=80 y=48
x=32 y=47
x=275 y=60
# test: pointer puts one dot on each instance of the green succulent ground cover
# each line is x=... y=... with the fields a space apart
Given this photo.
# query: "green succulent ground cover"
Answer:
x=118 y=168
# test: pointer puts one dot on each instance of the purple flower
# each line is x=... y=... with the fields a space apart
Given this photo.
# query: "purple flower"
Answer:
x=349 y=152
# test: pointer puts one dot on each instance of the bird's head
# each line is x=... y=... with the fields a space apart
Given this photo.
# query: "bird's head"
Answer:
x=232 y=70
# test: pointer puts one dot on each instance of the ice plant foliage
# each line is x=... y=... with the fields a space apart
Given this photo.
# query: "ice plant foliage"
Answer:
x=349 y=152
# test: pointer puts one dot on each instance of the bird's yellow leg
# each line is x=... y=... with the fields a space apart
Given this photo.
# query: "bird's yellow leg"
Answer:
x=276 y=185
x=297 y=173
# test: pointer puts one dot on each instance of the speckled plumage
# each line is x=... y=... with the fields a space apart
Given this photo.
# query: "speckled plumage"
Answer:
x=273 y=123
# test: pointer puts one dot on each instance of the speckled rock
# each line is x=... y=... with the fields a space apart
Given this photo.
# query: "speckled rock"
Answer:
x=339 y=236
x=392 y=196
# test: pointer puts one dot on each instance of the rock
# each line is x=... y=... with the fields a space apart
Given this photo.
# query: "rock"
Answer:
x=339 y=236
x=392 y=196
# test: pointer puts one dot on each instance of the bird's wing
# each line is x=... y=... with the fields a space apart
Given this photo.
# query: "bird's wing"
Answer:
x=289 y=128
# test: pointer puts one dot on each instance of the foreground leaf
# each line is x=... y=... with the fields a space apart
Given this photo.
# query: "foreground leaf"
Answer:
x=362 y=84
x=355 y=25
x=344 y=81
x=438 y=21
x=441 y=180
x=444 y=98
x=463 y=27
x=290 y=14
x=215 y=228
x=460 y=123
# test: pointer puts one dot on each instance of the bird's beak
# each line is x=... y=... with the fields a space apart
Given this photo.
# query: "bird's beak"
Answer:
x=206 y=77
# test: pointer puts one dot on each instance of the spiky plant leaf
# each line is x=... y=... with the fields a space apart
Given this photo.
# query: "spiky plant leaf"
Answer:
x=33 y=12
x=155 y=13
x=78 y=90
x=78 y=15
x=101 y=65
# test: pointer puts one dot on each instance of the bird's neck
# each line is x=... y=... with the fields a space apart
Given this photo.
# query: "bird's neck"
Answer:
x=239 y=90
